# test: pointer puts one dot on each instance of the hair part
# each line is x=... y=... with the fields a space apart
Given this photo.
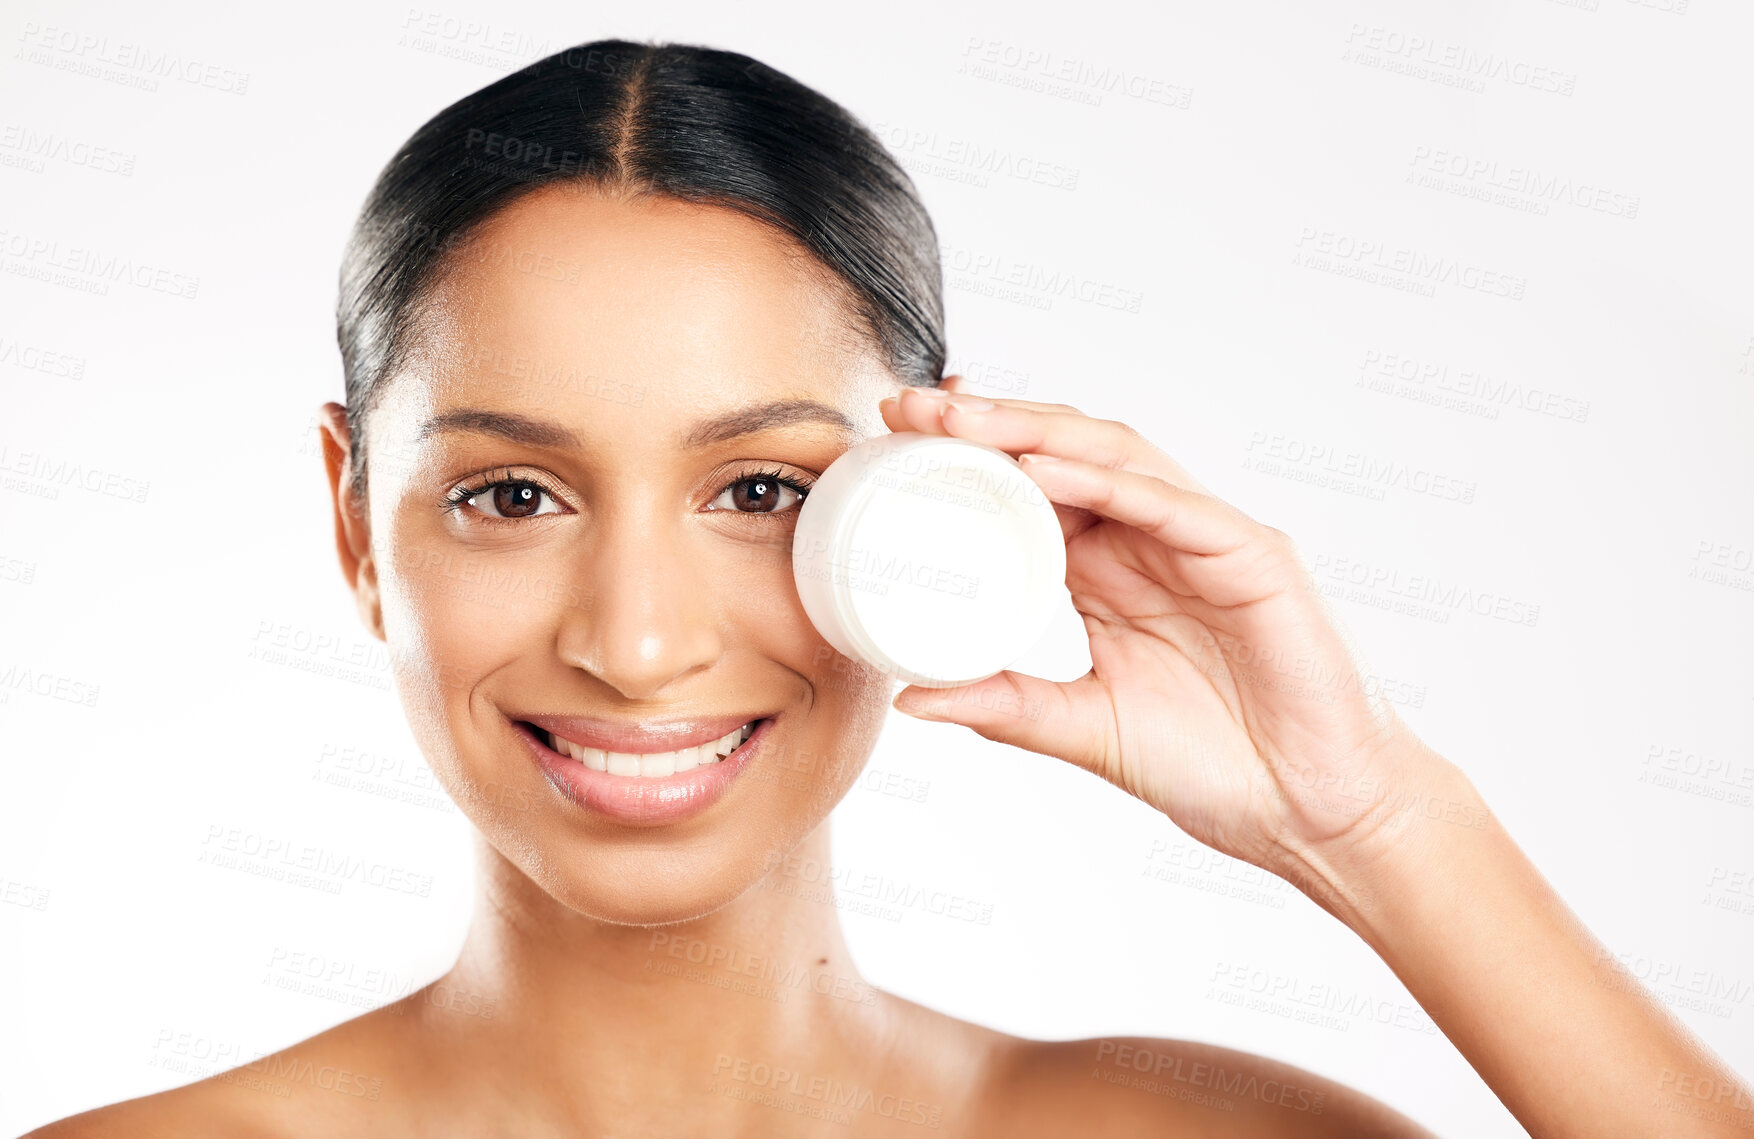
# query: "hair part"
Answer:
x=683 y=121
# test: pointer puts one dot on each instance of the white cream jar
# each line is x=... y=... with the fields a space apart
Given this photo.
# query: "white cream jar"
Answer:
x=934 y=559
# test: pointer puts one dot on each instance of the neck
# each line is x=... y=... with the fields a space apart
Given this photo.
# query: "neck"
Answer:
x=766 y=980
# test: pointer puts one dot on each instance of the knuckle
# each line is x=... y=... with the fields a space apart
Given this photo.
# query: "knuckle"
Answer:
x=1282 y=542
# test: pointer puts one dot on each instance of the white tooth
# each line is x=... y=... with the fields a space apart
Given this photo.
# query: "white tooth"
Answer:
x=654 y=765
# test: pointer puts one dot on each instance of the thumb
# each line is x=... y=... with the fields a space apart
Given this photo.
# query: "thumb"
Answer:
x=1070 y=721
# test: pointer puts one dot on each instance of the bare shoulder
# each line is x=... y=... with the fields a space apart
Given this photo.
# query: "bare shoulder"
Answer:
x=333 y=1083
x=1129 y=1085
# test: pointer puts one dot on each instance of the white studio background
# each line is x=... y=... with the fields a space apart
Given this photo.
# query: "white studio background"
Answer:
x=1456 y=293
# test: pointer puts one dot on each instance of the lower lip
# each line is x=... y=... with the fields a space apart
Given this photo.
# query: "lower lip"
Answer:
x=637 y=799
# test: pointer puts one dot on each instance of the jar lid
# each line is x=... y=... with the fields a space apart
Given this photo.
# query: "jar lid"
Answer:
x=935 y=559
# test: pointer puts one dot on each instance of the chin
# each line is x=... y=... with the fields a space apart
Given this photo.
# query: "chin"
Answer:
x=646 y=888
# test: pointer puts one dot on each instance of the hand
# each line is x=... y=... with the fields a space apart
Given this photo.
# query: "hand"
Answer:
x=1221 y=690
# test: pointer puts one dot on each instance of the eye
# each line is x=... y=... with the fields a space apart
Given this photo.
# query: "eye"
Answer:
x=505 y=498
x=764 y=492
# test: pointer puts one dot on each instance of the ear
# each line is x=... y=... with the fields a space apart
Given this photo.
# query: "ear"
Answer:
x=352 y=532
x=953 y=384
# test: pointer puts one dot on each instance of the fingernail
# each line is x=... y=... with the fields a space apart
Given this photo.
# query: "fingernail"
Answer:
x=935 y=393
x=970 y=402
x=1032 y=457
x=917 y=707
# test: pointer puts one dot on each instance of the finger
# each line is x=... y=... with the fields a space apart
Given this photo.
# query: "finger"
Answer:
x=959 y=384
x=1018 y=430
x=921 y=410
x=1177 y=516
x=1025 y=711
x=1072 y=521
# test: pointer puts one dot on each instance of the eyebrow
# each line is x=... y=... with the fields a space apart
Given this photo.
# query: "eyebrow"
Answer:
x=766 y=417
x=731 y=425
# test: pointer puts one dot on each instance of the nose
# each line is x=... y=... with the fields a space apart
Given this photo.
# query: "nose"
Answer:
x=650 y=618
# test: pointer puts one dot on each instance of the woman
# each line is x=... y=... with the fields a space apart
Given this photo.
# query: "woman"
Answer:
x=602 y=322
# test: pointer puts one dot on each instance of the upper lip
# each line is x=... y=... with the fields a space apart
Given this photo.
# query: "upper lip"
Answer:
x=640 y=738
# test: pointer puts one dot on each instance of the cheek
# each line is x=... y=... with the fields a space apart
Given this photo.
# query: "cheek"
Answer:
x=452 y=618
x=467 y=626
x=836 y=721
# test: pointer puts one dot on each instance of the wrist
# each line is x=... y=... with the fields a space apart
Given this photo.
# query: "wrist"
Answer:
x=1421 y=806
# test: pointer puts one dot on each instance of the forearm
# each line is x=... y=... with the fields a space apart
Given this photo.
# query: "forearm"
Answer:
x=1569 y=1041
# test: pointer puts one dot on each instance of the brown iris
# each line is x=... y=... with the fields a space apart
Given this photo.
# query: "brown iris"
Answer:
x=517 y=499
x=763 y=494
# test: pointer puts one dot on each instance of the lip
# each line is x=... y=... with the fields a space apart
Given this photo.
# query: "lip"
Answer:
x=639 y=800
x=639 y=739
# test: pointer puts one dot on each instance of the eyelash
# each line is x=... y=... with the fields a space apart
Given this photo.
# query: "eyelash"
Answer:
x=802 y=487
x=499 y=476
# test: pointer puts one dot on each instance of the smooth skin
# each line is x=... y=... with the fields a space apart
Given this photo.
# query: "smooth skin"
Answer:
x=651 y=981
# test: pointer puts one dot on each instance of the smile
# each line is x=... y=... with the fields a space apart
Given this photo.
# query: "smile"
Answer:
x=651 y=765
x=643 y=774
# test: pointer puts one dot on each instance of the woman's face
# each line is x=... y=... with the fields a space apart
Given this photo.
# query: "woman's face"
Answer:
x=578 y=514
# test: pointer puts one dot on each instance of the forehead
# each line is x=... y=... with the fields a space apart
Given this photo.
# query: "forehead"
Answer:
x=574 y=303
